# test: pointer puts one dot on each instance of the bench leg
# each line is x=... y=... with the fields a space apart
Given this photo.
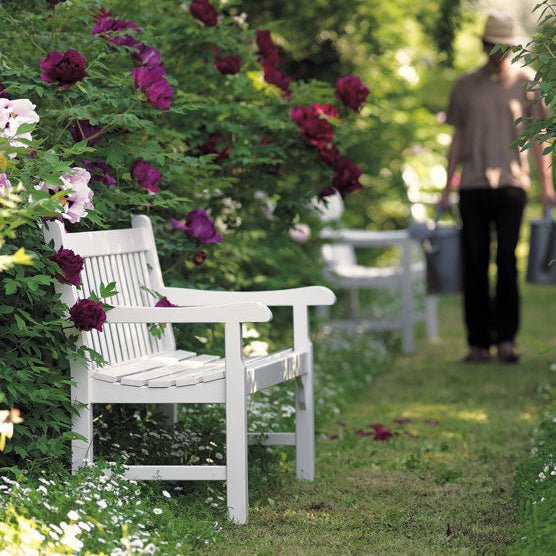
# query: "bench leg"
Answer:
x=305 y=426
x=82 y=450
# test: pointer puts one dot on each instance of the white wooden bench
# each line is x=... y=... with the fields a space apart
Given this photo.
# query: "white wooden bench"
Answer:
x=144 y=369
x=344 y=272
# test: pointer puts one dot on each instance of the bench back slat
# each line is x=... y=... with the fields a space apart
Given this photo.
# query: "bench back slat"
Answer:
x=128 y=258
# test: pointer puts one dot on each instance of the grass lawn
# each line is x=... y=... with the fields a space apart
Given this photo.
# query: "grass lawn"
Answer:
x=437 y=487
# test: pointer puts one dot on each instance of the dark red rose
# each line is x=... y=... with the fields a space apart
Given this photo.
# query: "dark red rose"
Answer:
x=313 y=122
x=70 y=264
x=111 y=30
x=198 y=226
x=277 y=78
x=204 y=11
x=151 y=80
x=64 y=69
x=267 y=49
x=100 y=172
x=229 y=65
x=147 y=55
x=83 y=129
x=164 y=302
x=351 y=91
x=330 y=154
x=87 y=314
x=199 y=257
x=147 y=176
x=3 y=92
x=381 y=432
x=346 y=177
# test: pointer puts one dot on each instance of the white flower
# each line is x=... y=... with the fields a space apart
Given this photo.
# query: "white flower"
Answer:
x=157 y=511
x=5 y=186
x=166 y=494
x=14 y=113
x=102 y=504
x=300 y=233
x=73 y=515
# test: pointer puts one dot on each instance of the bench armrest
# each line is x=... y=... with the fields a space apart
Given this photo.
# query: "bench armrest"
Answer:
x=233 y=312
x=310 y=295
x=366 y=238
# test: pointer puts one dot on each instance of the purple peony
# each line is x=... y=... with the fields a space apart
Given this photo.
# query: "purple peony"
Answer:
x=229 y=65
x=147 y=55
x=351 y=91
x=346 y=177
x=64 y=69
x=198 y=226
x=110 y=29
x=70 y=264
x=147 y=176
x=330 y=154
x=83 y=129
x=199 y=257
x=151 y=80
x=100 y=172
x=87 y=314
x=204 y=11
x=164 y=302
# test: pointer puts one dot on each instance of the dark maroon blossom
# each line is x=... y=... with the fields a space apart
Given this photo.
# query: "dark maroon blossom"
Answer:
x=147 y=176
x=199 y=257
x=164 y=302
x=64 y=69
x=267 y=49
x=229 y=65
x=84 y=129
x=210 y=147
x=346 y=177
x=111 y=30
x=204 y=11
x=87 y=314
x=313 y=122
x=147 y=55
x=70 y=264
x=351 y=91
x=278 y=79
x=198 y=226
x=100 y=172
x=330 y=154
x=381 y=432
x=3 y=92
x=151 y=80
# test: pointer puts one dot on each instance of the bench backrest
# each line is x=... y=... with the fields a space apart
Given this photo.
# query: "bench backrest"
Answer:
x=129 y=258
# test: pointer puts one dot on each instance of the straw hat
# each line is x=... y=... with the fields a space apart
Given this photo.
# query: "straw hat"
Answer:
x=500 y=29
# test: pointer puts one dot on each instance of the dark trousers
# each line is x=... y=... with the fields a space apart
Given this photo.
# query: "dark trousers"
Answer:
x=490 y=318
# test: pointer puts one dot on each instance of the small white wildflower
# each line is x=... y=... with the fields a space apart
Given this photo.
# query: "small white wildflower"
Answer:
x=84 y=526
x=73 y=515
x=42 y=489
x=542 y=476
x=166 y=494
x=102 y=504
x=157 y=511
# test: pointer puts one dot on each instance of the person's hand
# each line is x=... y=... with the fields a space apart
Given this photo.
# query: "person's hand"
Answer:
x=548 y=199
x=444 y=201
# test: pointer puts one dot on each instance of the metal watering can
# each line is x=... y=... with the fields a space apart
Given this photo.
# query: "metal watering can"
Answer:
x=541 y=263
x=442 y=247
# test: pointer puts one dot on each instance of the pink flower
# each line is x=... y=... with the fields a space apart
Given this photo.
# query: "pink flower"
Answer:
x=83 y=129
x=5 y=186
x=14 y=113
x=198 y=226
x=87 y=314
x=151 y=80
x=147 y=176
x=70 y=264
x=64 y=69
x=164 y=302
x=229 y=65
x=346 y=177
x=204 y=11
x=300 y=233
x=110 y=29
x=351 y=91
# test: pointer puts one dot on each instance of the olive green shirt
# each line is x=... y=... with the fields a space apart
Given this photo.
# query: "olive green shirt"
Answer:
x=484 y=107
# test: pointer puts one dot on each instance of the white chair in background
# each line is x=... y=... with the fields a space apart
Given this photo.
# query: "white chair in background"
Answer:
x=344 y=272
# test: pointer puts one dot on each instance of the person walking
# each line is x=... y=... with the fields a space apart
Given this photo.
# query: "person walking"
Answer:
x=483 y=108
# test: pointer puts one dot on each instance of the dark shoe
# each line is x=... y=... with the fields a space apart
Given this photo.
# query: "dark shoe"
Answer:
x=507 y=353
x=476 y=355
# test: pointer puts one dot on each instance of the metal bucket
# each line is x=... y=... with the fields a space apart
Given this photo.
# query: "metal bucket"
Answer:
x=541 y=263
x=443 y=256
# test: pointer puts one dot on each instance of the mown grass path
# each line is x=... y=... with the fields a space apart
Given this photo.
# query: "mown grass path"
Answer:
x=433 y=488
